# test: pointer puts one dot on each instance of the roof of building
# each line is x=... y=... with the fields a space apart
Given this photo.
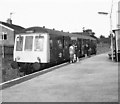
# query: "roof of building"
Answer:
x=12 y=26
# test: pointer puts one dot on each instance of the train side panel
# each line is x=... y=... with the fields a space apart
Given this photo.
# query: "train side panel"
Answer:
x=59 y=48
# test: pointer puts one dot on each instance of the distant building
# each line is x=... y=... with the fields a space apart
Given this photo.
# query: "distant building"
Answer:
x=7 y=34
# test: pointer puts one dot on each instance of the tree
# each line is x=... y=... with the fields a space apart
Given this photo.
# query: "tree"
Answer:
x=102 y=36
x=93 y=34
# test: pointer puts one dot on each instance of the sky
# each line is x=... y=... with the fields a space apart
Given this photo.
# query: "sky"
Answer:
x=66 y=15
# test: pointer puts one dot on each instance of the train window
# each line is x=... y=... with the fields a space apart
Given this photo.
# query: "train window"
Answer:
x=19 y=43
x=66 y=44
x=39 y=40
x=51 y=43
x=59 y=44
x=28 y=43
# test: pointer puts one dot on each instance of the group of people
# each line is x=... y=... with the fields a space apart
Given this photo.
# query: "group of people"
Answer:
x=75 y=52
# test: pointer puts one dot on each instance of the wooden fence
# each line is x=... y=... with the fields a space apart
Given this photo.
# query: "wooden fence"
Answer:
x=6 y=50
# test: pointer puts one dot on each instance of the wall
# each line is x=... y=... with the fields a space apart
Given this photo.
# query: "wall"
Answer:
x=10 y=36
x=9 y=42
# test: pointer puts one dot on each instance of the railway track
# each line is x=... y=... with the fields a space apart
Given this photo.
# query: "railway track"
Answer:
x=29 y=76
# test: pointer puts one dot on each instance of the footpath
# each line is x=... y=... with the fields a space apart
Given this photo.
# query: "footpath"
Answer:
x=93 y=79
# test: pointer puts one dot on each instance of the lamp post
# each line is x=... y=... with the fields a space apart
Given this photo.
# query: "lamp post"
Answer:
x=111 y=33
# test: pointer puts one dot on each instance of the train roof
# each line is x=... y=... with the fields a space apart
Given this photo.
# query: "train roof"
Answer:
x=85 y=35
x=54 y=32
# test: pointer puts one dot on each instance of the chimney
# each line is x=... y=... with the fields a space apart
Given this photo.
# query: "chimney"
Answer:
x=9 y=21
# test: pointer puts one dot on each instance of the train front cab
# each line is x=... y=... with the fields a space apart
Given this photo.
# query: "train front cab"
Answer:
x=31 y=50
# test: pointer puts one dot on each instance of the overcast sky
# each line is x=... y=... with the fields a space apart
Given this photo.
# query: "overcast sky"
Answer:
x=66 y=15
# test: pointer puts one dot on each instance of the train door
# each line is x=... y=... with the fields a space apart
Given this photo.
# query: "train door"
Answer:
x=56 y=48
x=52 y=49
x=93 y=46
x=79 y=48
x=59 y=49
x=66 y=48
x=83 y=47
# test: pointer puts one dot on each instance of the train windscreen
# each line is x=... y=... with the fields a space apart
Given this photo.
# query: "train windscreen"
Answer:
x=39 y=42
x=28 y=43
x=19 y=43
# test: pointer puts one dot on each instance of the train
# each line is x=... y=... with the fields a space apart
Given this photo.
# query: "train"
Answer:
x=38 y=47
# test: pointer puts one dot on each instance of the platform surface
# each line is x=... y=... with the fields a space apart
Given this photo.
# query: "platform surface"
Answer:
x=93 y=79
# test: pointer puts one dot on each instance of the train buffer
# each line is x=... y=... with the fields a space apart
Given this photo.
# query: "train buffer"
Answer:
x=93 y=79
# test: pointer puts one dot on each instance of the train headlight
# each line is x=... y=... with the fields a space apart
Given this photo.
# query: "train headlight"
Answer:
x=17 y=58
x=39 y=60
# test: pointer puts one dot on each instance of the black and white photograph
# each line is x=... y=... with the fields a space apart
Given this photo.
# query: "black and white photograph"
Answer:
x=59 y=51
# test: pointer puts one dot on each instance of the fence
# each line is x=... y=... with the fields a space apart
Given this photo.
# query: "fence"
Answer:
x=6 y=50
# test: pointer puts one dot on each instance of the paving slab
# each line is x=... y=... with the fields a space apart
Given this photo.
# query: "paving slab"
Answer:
x=93 y=79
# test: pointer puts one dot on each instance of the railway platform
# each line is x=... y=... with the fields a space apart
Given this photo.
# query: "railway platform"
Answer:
x=93 y=79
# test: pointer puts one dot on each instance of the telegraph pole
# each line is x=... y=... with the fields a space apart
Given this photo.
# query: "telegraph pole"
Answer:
x=111 y=33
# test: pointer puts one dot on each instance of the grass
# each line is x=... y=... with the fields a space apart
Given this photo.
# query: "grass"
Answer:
x=7 y=72
x=103 y=48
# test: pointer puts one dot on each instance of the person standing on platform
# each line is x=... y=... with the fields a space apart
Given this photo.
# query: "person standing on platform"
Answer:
x=86 y=48
x=71 y=52
x=89 y=52
x=75 y=53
